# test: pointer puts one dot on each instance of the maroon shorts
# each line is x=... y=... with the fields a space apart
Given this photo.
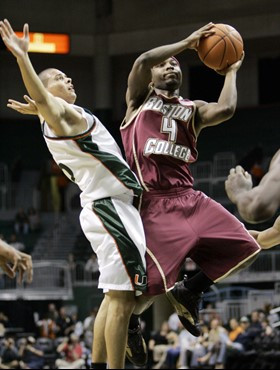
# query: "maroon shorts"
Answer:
x=187 y=223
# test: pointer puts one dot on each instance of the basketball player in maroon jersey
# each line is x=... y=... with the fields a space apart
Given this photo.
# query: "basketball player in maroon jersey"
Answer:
x=160 y=133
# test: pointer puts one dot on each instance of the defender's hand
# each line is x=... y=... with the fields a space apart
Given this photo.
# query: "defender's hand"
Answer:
x=18 y=46
x=29 y=108
x=25 y=267
x=237 y=182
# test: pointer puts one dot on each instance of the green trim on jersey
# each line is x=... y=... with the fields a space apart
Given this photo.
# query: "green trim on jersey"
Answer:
x=106 y=211
x=112 y=163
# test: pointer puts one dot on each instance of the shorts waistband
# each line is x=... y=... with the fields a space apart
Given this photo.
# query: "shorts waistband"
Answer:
x=168 y=193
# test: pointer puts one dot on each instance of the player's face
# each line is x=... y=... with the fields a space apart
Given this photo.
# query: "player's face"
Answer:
x=61 y=86
x=167 y=75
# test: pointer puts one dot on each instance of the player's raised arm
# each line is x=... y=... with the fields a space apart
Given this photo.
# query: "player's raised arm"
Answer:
x=52 y=108
x=211 y=114
x=140 y=75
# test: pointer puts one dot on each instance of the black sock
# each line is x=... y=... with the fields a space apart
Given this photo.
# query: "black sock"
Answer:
x=133 y=322
x=98 y=365
x=198 y=283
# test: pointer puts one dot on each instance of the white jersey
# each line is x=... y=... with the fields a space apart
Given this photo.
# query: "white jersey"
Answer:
x=93 y=161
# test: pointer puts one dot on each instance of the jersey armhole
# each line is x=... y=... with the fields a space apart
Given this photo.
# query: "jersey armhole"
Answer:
x=125 y=124
x=74 y=137
x=193 y=123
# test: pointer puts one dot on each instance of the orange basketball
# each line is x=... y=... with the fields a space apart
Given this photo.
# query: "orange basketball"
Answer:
x=221 y=49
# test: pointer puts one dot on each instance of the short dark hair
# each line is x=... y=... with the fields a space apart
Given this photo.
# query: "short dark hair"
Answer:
x=45 y=75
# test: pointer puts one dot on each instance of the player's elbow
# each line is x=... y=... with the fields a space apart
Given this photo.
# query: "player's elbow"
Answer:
x=227 y=111
x=144 y=60
x=223 y=113
x=260 y=211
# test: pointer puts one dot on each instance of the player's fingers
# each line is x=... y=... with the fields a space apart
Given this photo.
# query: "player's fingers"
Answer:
x=4 y=31
x=8 y=27
x=26 y=31
x=15 y=103
x=8 y=271
x=29 y=270
x=29 y=266
x=12 y=101
x=247 y=175
x=20 y=275
x=28 y=99
x=30 y=275
x=15 y=265
x=208 y=33
x=14 y=108
x=239 y=169
x=232 y=171
x=208 y=25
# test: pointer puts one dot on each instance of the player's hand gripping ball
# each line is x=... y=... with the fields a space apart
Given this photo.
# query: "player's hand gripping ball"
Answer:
x=221 y=49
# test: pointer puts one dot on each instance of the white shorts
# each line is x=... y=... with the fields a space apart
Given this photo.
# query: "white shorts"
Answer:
x=114 y=229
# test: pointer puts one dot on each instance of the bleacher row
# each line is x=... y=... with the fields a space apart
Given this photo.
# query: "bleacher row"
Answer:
x=210 y=176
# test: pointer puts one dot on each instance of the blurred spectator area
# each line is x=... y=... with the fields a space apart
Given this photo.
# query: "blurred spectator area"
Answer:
x=7 y=230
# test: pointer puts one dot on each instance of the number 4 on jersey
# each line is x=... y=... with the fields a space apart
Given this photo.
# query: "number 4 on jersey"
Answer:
x=169 y=126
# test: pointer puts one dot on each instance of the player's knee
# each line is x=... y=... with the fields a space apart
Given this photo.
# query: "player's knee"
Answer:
x=123 y=310
x=122 y=303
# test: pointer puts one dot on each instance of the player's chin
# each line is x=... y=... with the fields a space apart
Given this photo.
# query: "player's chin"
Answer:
x=172 y=84
x=72 y=98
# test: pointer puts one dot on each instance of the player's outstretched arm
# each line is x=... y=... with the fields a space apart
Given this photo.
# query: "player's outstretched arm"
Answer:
x=268 y=238
x=47 y=104
x=51 y=108
x=140 y=75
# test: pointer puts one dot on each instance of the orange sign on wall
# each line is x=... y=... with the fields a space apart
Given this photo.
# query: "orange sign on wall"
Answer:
x=48 y=43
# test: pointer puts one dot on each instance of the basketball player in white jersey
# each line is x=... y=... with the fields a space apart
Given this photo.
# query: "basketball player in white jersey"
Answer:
x=90 y=157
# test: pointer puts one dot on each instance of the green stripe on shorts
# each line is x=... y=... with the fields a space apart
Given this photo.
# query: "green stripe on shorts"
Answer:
x=106 y=211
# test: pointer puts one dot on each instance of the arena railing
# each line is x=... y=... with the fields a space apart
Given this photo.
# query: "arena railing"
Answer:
x=51 y=280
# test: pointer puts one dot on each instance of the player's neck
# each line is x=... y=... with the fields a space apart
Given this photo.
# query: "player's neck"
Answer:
x=168 y=93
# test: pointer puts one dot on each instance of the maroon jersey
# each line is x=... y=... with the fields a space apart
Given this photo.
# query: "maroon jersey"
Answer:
x=160 y=142
x=179 y=221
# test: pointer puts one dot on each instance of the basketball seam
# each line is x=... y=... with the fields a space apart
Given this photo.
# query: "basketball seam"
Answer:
x=234 y=47
x=237 y=39
x=213 y=46
x=225 y=33
x=229 y=34
x=225 y=48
